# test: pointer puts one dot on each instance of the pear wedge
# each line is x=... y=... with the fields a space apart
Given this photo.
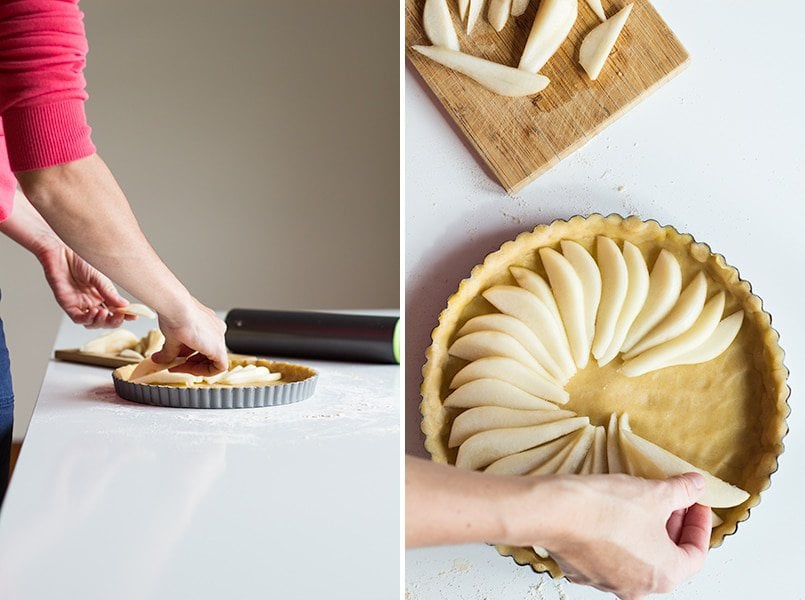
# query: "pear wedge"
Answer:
x=483 y=418
x=663 y=355
x=522 y=463
x=719 y=341
x=111 y=343
x=600 y=450
x=534 y=283
x=513 y=372
x=493 y=392
x=614 y=460
x=498 y=13
x=463 y=5
x=597 y=44
x=665 y=284
x=486 y=447
x=614 y=286
x=589 y=460
x=519 y=7
x=597 y=9
x=587 y=270
x=552 y=23
x=473 y=14
x=574 y=459
x=654 y=462
x=439 y=24
x=485 y=344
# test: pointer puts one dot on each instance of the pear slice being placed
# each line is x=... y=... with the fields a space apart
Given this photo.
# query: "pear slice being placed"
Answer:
x=534 y=283
x=483 y=418
x=682 y=316
x=597 y=9
x=486 y=447
x=503 y=80
x=498 y=13
x=526 y=461
x=614 y=286
x=662 y=355
x=664 y=286
x=552 y=23
x=494 y=392
x=597 y=44
x=654 y=462
x=587 y=270
x=484 y=344
x=439 y=24
x=569 y=294
x=513 y=372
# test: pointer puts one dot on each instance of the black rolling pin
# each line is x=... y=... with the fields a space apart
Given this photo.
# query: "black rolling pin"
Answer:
x=318 y=335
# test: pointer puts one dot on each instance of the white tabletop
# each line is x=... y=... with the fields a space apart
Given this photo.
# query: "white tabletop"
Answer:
x=113 y=499
x=717 y=152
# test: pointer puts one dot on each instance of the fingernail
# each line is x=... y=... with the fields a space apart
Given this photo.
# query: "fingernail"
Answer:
x=697 y=480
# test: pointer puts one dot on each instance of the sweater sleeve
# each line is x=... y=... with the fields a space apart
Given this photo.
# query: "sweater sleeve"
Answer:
x=43 y=50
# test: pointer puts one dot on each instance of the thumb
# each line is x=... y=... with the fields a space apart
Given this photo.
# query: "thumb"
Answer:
x=170 y=350
x=111 y=297
x=684 y=490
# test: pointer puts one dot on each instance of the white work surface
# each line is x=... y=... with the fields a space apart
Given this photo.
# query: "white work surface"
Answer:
x=716 y=152
x=113 y=499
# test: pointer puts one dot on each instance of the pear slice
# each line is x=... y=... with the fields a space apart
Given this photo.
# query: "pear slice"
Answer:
x=130 y=353
x=682 y=316
x=164 y=377
x=597 y=9
x=474 y=12
x=590 y=276
x=569 y=294
x=493 y=392
x=523 y=334
x=581 y=447
x=495 y=77
x=600 y=450
x=626 y=463
x=663 y=355
x=654 y=462
x=111 y=343
x=565 y=456
x=589 y=459
x=135 y=310
x=462 y=9
x=614 y=460
x=521 y=463
x=534 y=283
x=484 y=344
x=439 y=24
x=486 y=447
x=498 y=13
x=636 y=292
x=716 y=520
x=552 y=23
x=513 y=372
x=519 y=7
x=665 y=284
x=719 y=341
x=483 y=418
x=614 y=286
x=597 y=44
x=524 y=305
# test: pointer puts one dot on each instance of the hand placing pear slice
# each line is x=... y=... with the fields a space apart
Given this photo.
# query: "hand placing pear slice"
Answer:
x=520 y=332
x=585 y=267
x=498 y=13
x=614 y=286
x=522 y=463
x=665 y=284
x=569 y=294
x=552 y=23
x=711 y=348
x=680 y=319
x=484 y=344
x=655 y=462
x=493 y=392
x=483 y=418
x=597 y=44
x=636 y=292
x=662 y=355
x=495 y=77
x=486 y=447
x=513 y=372
x=534 y=283
x=439 y=24
x=597 y=9
x=167 y=378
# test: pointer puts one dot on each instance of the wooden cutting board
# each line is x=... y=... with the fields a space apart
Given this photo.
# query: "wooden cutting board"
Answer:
x=521 y=138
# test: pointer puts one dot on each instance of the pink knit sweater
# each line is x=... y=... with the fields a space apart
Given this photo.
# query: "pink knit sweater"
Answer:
x=43 y=49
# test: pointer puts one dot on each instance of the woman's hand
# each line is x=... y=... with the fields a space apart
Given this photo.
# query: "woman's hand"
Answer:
x=197 y=330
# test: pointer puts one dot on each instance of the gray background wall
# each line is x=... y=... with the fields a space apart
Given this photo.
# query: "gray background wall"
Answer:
x=258 y=144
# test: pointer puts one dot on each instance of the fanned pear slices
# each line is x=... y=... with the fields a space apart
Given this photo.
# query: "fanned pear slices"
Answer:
x=495 y=77
x=483 y=418
x=552 y=23
x=599 y=42
x=717 y=343
x=494 y=392
x=590 y=277
x=652 y=461
x=486 y=447
x=614 y=286
x=513 y=372
x=439 y=24
x=614 y=459
x=528 y=280
x=525 y=462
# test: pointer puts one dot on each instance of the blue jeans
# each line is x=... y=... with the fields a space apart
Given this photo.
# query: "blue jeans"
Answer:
x=6 y=413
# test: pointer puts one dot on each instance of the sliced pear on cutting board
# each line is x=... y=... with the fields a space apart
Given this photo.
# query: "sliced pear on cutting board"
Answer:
x=569 y=294
x=497 y=78
x=498 y=13
x=483 y=418
x=523 y=305
x=534 y=283
x=636 y=292
x=485 y=344
x=597 y=44
x=526 y=461
x=665 y=284
x=654 y=462
x=614 y=286
x=587 y=270
x=523 y=334
x=473 y=13
x=519 y=7
x=463 y=5
x=439 y=24
x=493 y=392
x=597 y=9
x=719 y=341
x=513 y=372
x=111 y=343
x=663 y=355
x=486 y=447
x=680 y=319
x=552 y=23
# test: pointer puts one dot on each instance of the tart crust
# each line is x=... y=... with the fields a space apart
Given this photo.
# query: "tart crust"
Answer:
x=727 y=416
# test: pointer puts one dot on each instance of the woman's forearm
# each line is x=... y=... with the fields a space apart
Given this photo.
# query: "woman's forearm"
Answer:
x=27 y=227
